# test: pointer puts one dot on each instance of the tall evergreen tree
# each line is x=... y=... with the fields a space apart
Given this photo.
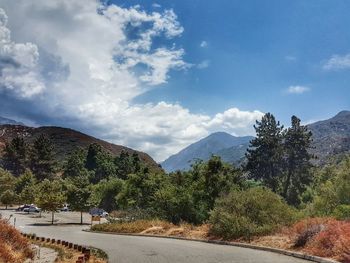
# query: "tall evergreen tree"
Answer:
x=15 y=156
x=297 y=142
x=265 y=154
x=42 y=161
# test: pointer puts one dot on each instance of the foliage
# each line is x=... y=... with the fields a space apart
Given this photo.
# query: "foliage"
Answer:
x=50 y=196
x=265 y=155
x=342 y=212
x=297 y=142
x=78 y=194
x=8 y=198
x=42 y=161
x=104 y=193
x=253 y=212
x=13 y=246
x=7 y=181
x=15 y=156
x=332 y=190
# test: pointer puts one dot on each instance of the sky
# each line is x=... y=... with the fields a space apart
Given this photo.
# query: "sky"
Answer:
x=157 y=76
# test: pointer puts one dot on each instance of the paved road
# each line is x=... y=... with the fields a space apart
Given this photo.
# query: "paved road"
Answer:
x=125 y=249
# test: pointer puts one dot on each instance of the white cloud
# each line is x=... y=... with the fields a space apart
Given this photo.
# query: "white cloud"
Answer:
x=204 y=64
x=297 y=89
x=290 y=58
x=156 y=5
x=337 y=62
x=203 y=44
x=79 y=61
x=18 y=64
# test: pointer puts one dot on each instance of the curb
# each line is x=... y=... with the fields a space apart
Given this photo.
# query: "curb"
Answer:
x=235 y=244
x=85 y=251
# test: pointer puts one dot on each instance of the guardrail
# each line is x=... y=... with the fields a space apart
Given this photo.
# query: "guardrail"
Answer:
x=85 y=251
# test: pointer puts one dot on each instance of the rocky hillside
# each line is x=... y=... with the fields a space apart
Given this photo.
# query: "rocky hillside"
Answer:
x=331 y=138
x=66 y=141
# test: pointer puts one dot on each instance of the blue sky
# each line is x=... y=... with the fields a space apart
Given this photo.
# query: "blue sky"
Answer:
x=255 y=51
x=159 y=75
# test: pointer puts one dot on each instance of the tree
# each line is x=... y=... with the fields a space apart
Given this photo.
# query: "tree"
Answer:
x=27 y=179
x=8 y=198
x=75 y=165
x=15 y=156
x=104 y=193
x=265 y=154
x=7 y=181
x=78 y=194
x=27 y=195
x=42 y=161
x=100 y=163
x=297 y=176
x=50 y=196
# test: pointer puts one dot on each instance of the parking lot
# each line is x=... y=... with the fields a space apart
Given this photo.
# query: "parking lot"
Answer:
x=61 y=218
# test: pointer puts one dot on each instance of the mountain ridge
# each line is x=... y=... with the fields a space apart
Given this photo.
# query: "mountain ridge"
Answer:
x=67 y=140
x=331 y=138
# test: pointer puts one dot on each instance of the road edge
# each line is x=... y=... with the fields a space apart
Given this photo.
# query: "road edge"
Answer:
x=235 y=244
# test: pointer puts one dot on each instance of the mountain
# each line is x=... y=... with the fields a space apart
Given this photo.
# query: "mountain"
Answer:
x=331 y=138
x=9 y=121
x=66 y=141
x=213 y=144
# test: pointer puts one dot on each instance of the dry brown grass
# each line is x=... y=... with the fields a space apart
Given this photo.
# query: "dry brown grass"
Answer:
x=155 y=227
x=13 y=246
x=67 y=255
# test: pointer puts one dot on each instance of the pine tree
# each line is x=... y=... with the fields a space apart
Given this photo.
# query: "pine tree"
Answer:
x=15 y=156
x=42 y=162
x=297 y=142
x=265 y=154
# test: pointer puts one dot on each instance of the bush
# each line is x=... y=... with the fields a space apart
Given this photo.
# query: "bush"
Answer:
x=254 y=212
x=333 y=241
x=303 y=231
x=342 y=212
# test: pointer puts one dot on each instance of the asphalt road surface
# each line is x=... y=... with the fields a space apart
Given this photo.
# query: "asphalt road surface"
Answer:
x=125 y=249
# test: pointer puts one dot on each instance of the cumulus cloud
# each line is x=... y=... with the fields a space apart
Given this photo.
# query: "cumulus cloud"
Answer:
x=82 y=63
x=297 y=89
x=18 y=64
x=203 y=44
x=337 y=62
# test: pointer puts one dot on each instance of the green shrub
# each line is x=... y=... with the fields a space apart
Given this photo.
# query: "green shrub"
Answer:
x=342 y=212
x=254 y=212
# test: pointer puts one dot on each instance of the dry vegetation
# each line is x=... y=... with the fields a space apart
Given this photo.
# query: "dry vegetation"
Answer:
x=13 y=246
x=324 y=237
x=155 y=227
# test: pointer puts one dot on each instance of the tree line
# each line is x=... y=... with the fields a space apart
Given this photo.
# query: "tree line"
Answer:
x=276 y=182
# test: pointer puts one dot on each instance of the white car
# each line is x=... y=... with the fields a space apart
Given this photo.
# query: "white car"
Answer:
x=32 y=209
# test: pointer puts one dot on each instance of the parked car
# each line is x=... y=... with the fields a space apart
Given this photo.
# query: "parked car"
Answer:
x=65 y=208
x=32 y=209
x=98 y=212
x=103 y=213
x=22 y=207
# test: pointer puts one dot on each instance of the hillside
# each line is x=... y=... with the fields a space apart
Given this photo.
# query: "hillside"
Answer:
x=331 y=138
x=66 y=141
x=203 y=149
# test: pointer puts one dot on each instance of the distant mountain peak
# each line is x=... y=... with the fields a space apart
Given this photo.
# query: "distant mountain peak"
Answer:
x=215 y=143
